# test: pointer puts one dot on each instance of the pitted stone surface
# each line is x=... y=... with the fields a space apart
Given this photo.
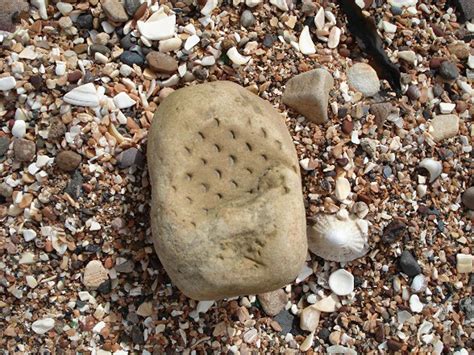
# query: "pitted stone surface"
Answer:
x=227 y=208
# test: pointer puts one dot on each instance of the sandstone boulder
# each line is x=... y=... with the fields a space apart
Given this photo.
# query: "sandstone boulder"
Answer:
x=227 y=210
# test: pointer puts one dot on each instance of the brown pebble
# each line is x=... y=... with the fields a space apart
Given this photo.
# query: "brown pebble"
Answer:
x=24 y=150
x=162 y=63
x=68 y=160
x=36 y=81
x=347 y=126
x=344 y=52
x=461 y=106
x=140 y=11
x=435 y=62
x=394 y=345
x=80 y=48
x=74 y=76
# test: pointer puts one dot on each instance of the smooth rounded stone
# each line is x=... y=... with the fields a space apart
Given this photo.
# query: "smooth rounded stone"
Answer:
x=162 y=63
x=131 y=58
x=131 y=6
x=114 y=11
x=7 y=83
x=468 y=198
x=42 y=326
x=68 y=160
x=85 y=21
x=448 y=71
x=128 y=42
x=413 y=92
x=129 y=157
x=99 y=48
x=444 y=127
x=227 y=211
x=273 y=302
x=4 y=144
x=94 y=274
x=308 y=94
x=24 y=150
x=328 y=304
x=362 y=77
x=408 y=264
x=309 y=319
x=247 y=19
x=407 y=56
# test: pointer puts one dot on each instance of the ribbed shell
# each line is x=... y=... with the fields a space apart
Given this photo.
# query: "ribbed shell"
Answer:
x=337 y=240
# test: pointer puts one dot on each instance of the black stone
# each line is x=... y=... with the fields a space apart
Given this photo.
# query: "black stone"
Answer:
x=396 y=10
x=408 y=264
x=85 y=21
x=324 y=334
x=74 y=188
x=393 y=231
x=131 y=6
x=131 y=58
x=137 y=335
x=128 y=41
x=201 y=74
x=36 y=81
x=268 y=40
x=100 y=48
x=466 y=7
x=285 y=319
x=448 y=71
x=4 y=144
x=105 y=287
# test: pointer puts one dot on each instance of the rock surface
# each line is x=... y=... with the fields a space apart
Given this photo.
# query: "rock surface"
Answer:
x=95 y=274
x=227 y=209
x=308 y=93
x=444 y=127
x=362 y=77
x=273 y=302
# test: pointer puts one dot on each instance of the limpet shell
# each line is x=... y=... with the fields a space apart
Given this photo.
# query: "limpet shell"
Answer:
x=341 y=282
x=433 y=167
x=337 y=240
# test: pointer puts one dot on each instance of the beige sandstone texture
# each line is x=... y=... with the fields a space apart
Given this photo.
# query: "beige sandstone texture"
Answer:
x=227 y=210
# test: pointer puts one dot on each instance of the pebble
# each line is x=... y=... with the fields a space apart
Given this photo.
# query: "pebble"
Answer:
x=268 y=40
x=467 y=306
x=170 y=45
x=343 y=188
x=56 y=130
x=307 y=343
x=415 y=304
x=273 y=302
x=122 y=100
x=446 y=107
x=334 y=37
x=85 y=21
x=191 y=41
x=408 y=264
x=247 y=19
x=328 y=304
x=114 y=11
x=309 y=319
x=94 y=274
x=413 y=92
x=29 y=235
x=131 y=58
x=444 y=127
x=42 y=326
x=24 y=149
x=64 y=8
x=131 y=6
x=74 y=188
x=419 y=283
x=129 y=157
x=305 y=42
x=468 y=198
x=31 y=281
x=285 y=320
x=67 y=160
x=389 y=27
x=4 y=145
x=7 y=83
x=157 y=30
x=145 y=309
x=362 y=77
x=448 y=71
x=394 y=231
x=162 y=63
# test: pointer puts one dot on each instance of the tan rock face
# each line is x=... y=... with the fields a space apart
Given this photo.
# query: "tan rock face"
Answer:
x=227 y=211
x=94 y=274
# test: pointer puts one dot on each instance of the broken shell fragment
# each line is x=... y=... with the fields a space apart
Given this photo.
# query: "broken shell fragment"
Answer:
x=337 y=240
x=433 y=167
x=236 y=57
x=341 y=282
x=305 y=42
x=85 y=95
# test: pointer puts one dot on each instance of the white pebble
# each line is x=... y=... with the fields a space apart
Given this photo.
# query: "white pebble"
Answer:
x=42 y=326
x=64 y=8
x=305 y=42
x=19 y=129
x=446 y=107
x=29 y=234
x=389 y=27
x=191 y=42
x=208 y=61
x=122 y=100
x=415 y=304
x=7 y=83
x=31 y=281
x=60 y=68
x=334 y=37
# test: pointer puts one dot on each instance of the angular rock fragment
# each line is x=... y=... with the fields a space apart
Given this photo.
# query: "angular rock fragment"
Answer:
x=227 y=211
x=308 y=93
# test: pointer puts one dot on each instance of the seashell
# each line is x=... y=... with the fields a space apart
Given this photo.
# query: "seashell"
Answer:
x=334 y=37
x=122 y=100
x=281 y=4
x=236 y=57
x=210 y=5
x=343 y=188
x=339 y=349
x=337 y=240
x=341 y=282
x=163 y=28
x=415 y=304
x=305 y=42
x=419 y=284
x=19 y=129
x=85 y=95
x=320 y=19
x=433 y=167
x=307 y=343
x=191 y=42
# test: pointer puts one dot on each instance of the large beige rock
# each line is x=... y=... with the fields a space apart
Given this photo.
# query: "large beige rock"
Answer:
x=227 y=210
x=444 y=127
x=308 y=94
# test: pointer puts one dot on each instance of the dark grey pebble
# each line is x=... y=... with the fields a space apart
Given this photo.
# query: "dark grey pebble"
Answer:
x=131 y=58
x=408 y=264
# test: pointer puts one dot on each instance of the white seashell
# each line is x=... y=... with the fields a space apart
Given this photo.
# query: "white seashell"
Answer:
x=421 y=190
x=122 y=100
x=29 y=234
x=446 y=107
x=208 y=61
x=7 y=83
x=19 y=129
x=335 y=240
x=252 y=3
x=464 y=263
x=309 y=319
x=281 y=4
x=191 y=41
x=433 y=167
x=343 y=188
x=163 y=28
x=341 y=282
x=42 y=326
x=41 y=6
x=415 y=304
x=85 y=95
x=170 y=45
x=330 y=17
x=334 y=37
x=210 y=5
x=320 y=19
x=305 y=42
x=236 y=57
x=327 y=304
x=419 y=284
